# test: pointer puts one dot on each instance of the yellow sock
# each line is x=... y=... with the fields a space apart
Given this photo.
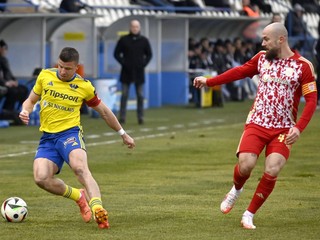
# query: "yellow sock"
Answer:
x=95 y=203
x=72 y=193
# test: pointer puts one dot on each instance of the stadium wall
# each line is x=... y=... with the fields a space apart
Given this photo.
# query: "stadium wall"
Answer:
x=35 y=40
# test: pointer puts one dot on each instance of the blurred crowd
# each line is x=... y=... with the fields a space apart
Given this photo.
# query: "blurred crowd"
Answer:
x=209 y=58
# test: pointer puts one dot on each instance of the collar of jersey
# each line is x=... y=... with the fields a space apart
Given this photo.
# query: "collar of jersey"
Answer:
x=74 y=76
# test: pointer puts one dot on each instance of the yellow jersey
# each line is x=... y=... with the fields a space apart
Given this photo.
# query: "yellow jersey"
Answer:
x=60 y=101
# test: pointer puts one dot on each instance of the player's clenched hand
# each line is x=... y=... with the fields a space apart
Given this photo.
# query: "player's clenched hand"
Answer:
x=24 y=116
x=292 y=136
x=127 y=140
x=199 y=82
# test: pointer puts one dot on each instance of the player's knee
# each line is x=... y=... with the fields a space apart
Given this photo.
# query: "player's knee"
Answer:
x=81 y=172
x=246 y=168
x=41 y=181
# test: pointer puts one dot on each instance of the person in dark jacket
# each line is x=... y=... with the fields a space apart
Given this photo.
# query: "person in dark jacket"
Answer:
x=133 y=52
x=294 y=22
x=15 y=93
x=71 y=6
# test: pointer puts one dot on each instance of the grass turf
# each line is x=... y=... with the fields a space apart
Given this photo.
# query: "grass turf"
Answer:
x=170 y=186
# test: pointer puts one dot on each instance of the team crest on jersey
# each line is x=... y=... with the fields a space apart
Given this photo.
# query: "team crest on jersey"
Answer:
x=289 y=72
x=266 y=65
x=73 y=86
x=50 y=83
x=265 y=78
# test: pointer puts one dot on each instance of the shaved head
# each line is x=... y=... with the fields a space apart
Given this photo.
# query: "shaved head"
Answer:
x=135 y=26
x=276 y=30
x=275 y=41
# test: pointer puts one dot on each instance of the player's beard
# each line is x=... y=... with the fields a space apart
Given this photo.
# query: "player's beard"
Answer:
x=272 y=54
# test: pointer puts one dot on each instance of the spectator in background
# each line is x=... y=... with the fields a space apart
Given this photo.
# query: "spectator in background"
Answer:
x=196 y=67
x=206 y=53
x=276 y=17
x=195 y=59
x=3 y=8
x=191 y=43
x=264 y=7
x=133 y=52
x=71 y=6
x=294 y=22
x=252 y=11
x=221 y=63
x=219 y=57
x=249 y=9
x=193 y=4
x=16 y=93
x=217 y=3
x=200 y=59
x=236 y=88
x=308 y=5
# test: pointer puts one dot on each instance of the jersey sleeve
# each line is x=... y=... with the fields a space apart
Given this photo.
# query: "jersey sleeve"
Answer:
x=37 y=88
x=93 y=102
x=92 y=99
x=308 y=79
x=309 y=91
x=249 y=69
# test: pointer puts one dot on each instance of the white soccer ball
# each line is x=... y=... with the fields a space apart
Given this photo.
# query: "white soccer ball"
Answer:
x=14 y=209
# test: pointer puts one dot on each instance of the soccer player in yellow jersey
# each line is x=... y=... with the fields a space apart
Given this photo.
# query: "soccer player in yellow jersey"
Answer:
x=61 y=93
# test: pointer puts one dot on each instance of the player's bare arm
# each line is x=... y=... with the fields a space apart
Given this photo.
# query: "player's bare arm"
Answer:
x=113 y=123
x=27 y=107
x=200 y=82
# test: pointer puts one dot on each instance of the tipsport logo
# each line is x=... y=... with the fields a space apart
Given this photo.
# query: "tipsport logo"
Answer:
x=64 y=96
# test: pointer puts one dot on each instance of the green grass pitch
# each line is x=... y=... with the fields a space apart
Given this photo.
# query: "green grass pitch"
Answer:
x=170 y=186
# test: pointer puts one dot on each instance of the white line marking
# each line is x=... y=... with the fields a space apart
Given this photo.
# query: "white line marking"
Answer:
x=119 y=140
x=162 y=128
x=93 y=136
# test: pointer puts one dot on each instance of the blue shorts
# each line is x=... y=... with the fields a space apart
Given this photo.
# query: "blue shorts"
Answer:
x=56 y=147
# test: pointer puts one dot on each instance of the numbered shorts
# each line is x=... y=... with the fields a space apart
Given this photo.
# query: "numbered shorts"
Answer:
x=255 y=138
x=56 y=147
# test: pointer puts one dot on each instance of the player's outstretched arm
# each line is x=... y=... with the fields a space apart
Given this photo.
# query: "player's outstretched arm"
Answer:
x=113 y=123
x=27 y=107
x=200 y=82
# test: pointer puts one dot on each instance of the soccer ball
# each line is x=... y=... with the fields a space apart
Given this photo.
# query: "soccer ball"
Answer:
x=14 y=209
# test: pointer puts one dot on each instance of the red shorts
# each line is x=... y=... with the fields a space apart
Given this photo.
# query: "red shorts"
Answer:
x=255 y=138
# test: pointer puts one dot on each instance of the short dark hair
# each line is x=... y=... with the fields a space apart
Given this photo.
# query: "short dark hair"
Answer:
x=69 y=54
x=3 y=44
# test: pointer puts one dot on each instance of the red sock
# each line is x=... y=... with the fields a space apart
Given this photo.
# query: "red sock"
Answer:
x=263 y=191
x=238 y=179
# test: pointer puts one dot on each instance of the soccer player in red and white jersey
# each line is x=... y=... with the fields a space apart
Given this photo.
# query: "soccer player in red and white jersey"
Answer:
x=284 y=76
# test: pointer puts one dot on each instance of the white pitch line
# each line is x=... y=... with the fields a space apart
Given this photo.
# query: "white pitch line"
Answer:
x=92 y=136
x=117 y=141
x=162 y=128
x=17 y=154
x=29 y=142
